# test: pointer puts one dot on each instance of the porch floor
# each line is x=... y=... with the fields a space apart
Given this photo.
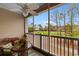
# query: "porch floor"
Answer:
x=33 y=52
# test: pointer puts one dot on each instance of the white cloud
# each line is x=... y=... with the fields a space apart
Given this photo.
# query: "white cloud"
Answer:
x=46 y=23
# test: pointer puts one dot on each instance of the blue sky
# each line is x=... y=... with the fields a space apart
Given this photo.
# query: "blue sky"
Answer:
x=43 y=17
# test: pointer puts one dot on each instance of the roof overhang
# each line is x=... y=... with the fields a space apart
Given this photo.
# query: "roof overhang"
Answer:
x=16 y=8
x=45 y=7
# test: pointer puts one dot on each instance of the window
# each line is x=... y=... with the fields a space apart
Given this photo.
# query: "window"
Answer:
x=64 y=20
x=30 y=24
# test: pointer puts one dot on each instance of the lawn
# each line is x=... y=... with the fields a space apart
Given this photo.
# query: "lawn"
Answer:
x=46 y=33
x=53 y=33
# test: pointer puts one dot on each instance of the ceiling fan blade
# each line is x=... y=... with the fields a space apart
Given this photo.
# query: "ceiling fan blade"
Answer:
x=20 y=4
x=33 y=12
x=33 y=6
x=28 y=8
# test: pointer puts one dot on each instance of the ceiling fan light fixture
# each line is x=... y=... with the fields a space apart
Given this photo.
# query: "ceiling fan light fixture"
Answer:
x=25 y=14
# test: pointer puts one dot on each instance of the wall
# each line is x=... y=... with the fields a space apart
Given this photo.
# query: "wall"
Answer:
x=11 y=24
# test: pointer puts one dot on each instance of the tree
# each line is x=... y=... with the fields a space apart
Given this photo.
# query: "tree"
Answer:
x=68 y=29
x=72 y=13
x=64 y=16
x=52 y=27
x=31 y=28
x=46 y=28
x=54 y=19
x=40 y=27
x=60 y=17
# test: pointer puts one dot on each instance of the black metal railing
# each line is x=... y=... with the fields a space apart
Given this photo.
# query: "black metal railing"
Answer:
x=59 y=46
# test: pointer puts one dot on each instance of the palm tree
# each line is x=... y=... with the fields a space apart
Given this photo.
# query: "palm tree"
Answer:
x=72 y=15
x=56 y=14
x=64 y=16
x=60 y=17
x=54 y=19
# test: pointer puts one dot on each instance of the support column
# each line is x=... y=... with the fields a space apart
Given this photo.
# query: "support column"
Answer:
x=49 y=25
x=24 y=25
x=26 y=49
x=33 y=30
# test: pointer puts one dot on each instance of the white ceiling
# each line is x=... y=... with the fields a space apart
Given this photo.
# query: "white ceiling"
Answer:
x=12 y=7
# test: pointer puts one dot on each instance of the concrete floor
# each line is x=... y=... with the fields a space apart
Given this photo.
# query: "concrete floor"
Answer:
x=32 y=52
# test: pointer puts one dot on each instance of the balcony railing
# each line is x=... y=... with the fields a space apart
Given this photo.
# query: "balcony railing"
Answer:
x=56 y=45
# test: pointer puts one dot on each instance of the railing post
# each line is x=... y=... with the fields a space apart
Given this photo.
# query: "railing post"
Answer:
x=40 y=41
x=64 y=46
x=60 y=46
x=54 y=45
x=57 y=46
x=73 y=47
x=68 y=47
x=78 y=47
x=33 y=39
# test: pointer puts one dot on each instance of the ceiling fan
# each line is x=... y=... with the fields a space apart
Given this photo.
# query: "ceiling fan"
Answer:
x=28 y=8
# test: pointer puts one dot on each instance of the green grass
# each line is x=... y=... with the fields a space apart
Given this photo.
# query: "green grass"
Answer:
x=75 y=34
x=46 y=32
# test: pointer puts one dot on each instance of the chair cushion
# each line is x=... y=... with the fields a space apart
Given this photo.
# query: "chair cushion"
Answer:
x=9 y=45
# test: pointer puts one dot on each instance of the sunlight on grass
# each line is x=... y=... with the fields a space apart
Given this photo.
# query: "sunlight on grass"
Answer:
x=75 y=34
